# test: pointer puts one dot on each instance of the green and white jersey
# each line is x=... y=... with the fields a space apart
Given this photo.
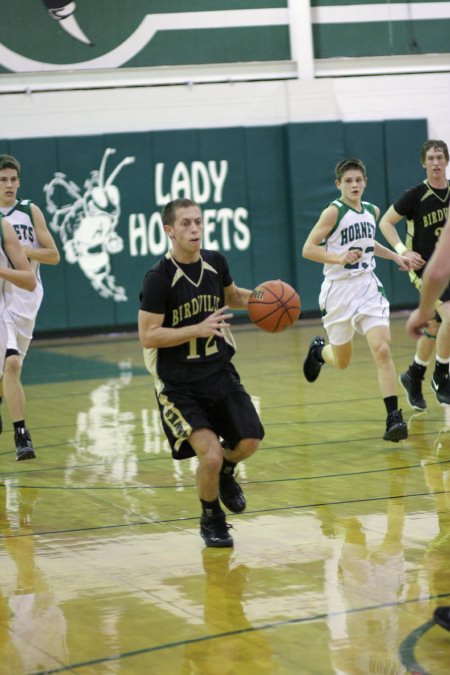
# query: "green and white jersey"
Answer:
x=353 y=230
x=4 y=262
x=22 y=302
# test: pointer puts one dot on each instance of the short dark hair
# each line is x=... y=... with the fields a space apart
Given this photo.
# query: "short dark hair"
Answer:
x=347 y=165
x=169 y=212
x=436 y=145
x=9 y=162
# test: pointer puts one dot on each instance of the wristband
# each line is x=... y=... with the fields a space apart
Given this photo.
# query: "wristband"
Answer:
x=400 y=248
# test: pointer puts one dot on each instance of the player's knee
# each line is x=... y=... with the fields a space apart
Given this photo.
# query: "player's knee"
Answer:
x=382 y=352
x=211 y=460
x=248 y=446
x=12 y=365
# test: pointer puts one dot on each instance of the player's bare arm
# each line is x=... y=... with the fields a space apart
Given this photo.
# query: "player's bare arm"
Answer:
x=434 y=281
x=22 y=274
x=388 y=228
x=235 y=297
x=48 y=252
x=312 y=249
x=153 y=334
x=404 y=263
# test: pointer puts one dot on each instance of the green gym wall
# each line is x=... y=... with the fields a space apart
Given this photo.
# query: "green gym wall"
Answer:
x=261 y=190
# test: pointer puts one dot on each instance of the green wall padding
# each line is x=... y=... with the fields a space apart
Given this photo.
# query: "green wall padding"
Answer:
x=261 y=190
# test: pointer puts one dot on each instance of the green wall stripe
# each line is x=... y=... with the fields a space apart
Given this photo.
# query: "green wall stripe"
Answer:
x=381 y=39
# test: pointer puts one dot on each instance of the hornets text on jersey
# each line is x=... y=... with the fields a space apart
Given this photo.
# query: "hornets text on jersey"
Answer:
x=354 y=230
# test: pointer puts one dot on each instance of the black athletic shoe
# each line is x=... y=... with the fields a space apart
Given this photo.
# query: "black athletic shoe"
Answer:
x=442 y=616
x=24 y=447
x=442 y=389
x=230 y=493
x=413 y=390
x=214 y=530
x=313 y=362
x=396 y=429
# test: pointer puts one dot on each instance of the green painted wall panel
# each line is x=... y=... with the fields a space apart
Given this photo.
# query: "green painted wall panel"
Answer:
x=403 y=138
x=268 y=189
x=381 y=38
x=219 y=45
x=314 y=150
x=365 y=140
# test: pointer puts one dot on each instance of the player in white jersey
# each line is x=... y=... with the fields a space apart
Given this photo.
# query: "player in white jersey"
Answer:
x=352 y=298
x=29 y=224
x=21 y=275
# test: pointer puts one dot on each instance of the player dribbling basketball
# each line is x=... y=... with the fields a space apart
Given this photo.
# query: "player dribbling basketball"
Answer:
x=188 y=347
x=352 y=298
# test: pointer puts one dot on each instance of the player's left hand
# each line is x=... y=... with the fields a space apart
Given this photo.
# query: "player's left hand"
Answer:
x=417 y=322
x=405 y=264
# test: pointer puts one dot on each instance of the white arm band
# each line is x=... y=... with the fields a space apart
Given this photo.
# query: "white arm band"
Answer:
x=400 y=248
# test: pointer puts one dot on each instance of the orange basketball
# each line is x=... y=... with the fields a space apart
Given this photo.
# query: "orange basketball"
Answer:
x=274 y=306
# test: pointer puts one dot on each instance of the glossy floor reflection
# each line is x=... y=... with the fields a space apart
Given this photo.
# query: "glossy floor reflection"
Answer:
x=338 y=563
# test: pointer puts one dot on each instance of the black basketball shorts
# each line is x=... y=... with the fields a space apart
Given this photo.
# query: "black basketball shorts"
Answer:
x=218 y=402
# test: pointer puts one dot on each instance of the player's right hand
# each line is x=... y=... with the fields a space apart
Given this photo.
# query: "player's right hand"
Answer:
x=417 y=262
x=214 y=323
x=351 y=256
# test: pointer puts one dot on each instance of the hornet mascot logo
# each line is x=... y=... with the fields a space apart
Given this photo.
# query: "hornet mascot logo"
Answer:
x=64 y=13
x=86 y=222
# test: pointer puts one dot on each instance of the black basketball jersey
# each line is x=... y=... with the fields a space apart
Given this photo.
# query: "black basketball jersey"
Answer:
x=425 y=209
x=186 y=295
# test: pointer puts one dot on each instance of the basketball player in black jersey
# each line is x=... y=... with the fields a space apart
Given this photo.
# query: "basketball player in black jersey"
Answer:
x=435 y=280
x=425 y=208
x=188 y=347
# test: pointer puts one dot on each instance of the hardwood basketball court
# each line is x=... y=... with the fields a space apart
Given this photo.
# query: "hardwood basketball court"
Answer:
x=339 y=561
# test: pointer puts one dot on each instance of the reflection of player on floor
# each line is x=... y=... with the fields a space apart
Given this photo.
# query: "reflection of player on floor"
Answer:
x=371 y=571
x=37 y=625
x=183 y=328
x=425 y=207
x=352 y=298
x=239 y=649
x=436 y=556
